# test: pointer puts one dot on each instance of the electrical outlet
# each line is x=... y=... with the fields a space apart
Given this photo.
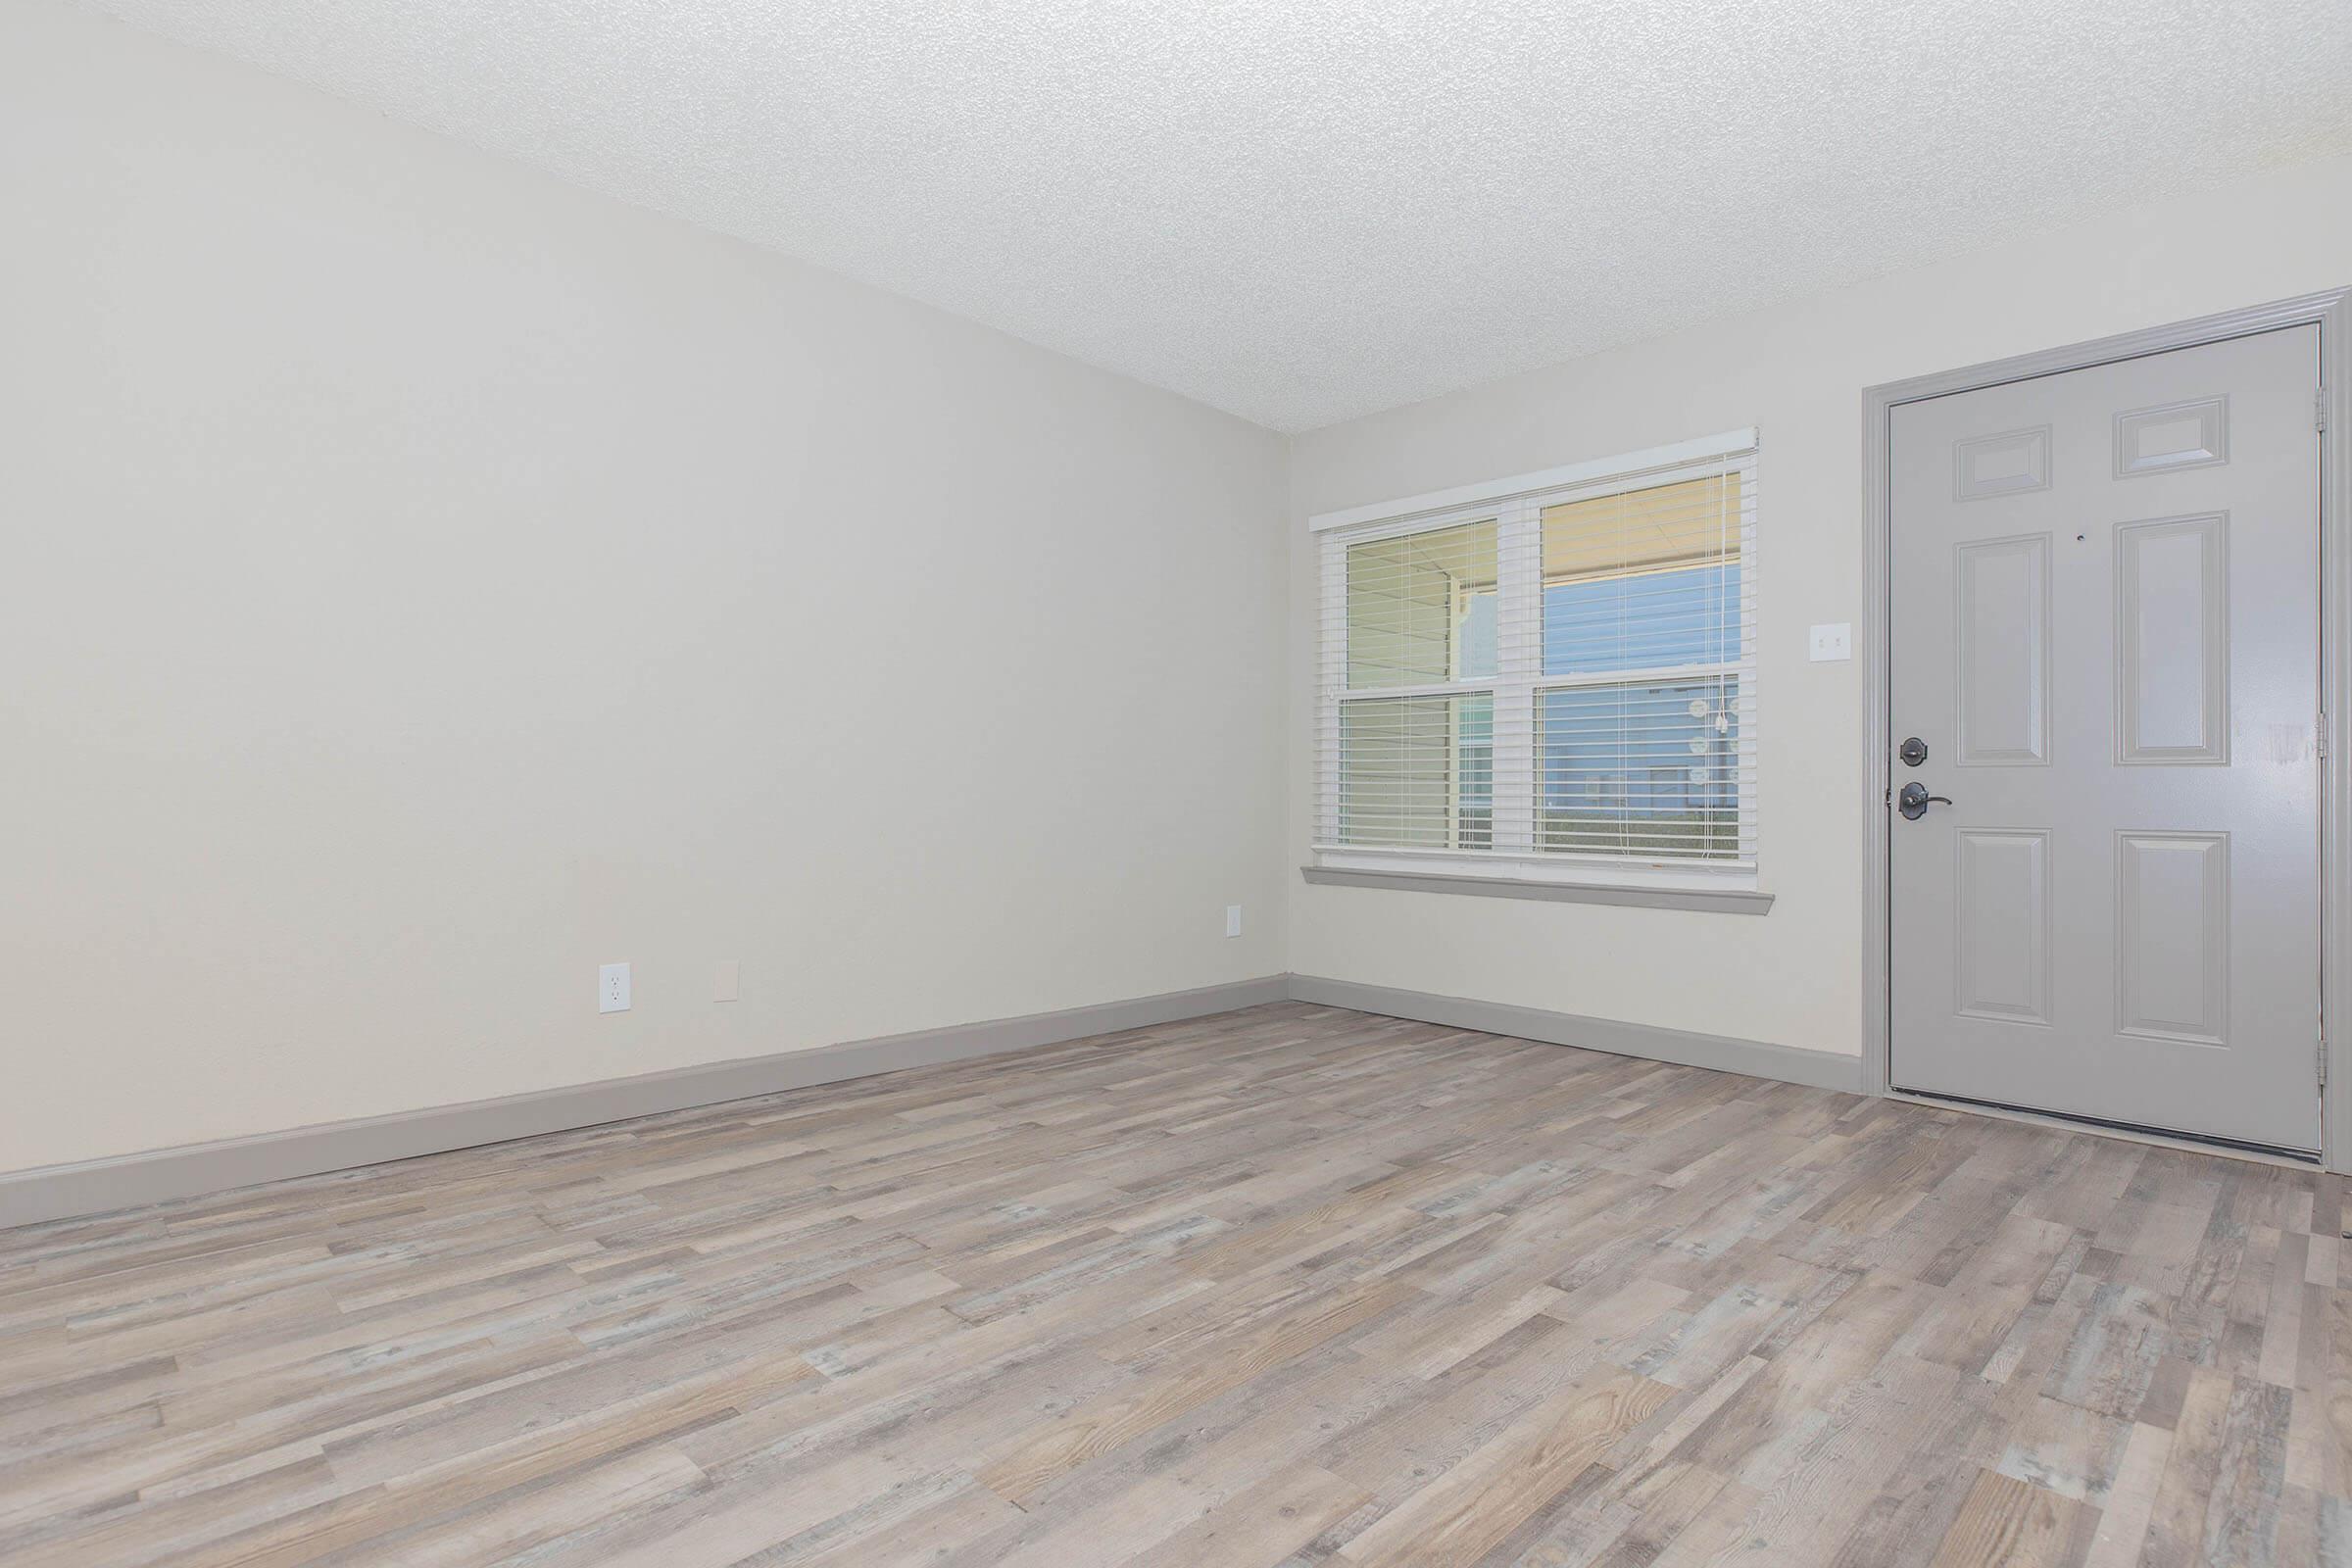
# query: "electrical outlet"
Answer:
x=727 y=981
x=613 y=988
x=1233 y=919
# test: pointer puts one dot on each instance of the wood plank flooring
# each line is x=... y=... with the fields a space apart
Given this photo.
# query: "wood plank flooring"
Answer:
x=1287 y=1286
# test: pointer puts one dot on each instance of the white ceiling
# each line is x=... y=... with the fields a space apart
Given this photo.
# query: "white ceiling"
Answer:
x=1307 y=209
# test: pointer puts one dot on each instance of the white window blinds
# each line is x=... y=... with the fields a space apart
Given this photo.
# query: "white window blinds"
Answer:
x=1558 y=682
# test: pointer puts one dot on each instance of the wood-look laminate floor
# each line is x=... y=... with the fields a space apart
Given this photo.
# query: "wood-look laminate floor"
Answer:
x=1293 y=1286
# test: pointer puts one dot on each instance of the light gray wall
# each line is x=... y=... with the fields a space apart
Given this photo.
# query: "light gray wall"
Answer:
x=1797 y=373
x=425 y=581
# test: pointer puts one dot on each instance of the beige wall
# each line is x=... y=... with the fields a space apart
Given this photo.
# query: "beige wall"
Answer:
x=1791 y=977
x=423 y=581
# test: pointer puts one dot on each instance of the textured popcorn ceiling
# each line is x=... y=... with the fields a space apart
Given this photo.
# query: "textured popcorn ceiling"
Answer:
x=1306 y=209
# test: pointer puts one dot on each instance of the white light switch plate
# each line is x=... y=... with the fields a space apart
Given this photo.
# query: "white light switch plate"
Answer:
x=726 y=982
x=613 y=988
x=1233 y=919
x=1832 y=643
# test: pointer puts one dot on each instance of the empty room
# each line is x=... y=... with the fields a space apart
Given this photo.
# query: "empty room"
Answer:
x=1292 y=784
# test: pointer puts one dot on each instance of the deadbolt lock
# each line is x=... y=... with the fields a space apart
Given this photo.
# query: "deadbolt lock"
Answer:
x=1913 y=752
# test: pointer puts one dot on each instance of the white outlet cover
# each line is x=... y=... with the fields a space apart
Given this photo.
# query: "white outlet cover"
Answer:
x=726 y=980
x=613 y=988
x=1233 y=919
x=1832 y=643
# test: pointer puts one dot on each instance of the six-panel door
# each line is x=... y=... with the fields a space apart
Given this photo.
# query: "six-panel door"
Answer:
x=2105 y=625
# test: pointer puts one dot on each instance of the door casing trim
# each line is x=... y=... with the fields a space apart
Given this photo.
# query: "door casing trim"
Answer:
x=2331 y=312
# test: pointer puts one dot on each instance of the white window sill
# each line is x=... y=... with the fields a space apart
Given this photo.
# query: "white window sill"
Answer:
x=1732 y=899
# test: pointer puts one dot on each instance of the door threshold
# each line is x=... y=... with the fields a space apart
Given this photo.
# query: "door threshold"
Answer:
x=2130 y=1131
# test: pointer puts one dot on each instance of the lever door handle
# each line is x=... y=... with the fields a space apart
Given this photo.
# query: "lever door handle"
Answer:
x=1915 y=800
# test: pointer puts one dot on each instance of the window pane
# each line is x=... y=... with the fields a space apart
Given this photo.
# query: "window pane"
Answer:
x=1418 y=772
x=1642 y=580
x=1421 y=607
x=1645 y=770
x=1689 y=616
x=1474 y=757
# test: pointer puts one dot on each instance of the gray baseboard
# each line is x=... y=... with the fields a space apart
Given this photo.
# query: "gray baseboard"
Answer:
x=98 y=1185
x=1819 y=1069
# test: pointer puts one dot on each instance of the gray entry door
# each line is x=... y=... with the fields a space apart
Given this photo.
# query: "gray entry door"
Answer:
x=2104 y=627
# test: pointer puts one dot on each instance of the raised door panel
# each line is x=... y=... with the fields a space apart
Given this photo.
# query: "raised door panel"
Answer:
x=2178 y=435
x=2005 y=465
x=2172 y=929
x=2171 y=642
x=2002 y=923
x=2001 y=648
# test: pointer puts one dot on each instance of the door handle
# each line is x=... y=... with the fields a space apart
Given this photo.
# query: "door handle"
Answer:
x=1915 y=800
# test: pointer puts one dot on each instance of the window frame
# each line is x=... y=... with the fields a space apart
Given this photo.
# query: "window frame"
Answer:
x=1516 y=506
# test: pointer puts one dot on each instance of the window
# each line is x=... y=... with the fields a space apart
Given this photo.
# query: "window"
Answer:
x=1551 y=678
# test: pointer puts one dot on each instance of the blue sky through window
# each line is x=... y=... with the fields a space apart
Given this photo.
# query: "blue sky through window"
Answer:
x=1650 y=621
x=1664 y=749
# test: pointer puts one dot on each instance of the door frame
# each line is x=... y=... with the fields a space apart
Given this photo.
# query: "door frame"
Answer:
x=2331 y=312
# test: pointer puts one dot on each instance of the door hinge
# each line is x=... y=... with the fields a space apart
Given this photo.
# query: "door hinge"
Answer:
x=2319 y=411
x=2323 y=1055
x=2323 y=736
